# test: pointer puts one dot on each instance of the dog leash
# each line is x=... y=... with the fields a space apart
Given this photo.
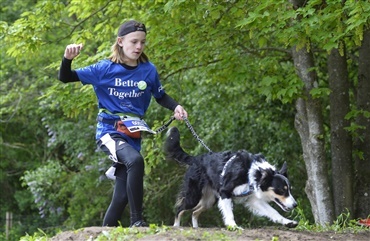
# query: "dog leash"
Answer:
x=165 y=125
x=195 y=134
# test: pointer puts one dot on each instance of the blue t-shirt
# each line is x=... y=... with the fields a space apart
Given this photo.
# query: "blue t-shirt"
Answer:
x=121 y=90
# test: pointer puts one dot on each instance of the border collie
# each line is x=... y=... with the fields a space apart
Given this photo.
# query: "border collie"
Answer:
x=228 y=176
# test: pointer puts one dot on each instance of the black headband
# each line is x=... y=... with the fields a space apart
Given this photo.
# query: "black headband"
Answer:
x=129 y=27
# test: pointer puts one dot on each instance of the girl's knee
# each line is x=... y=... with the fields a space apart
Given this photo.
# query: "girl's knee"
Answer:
x=131 y=158
x=137 y=161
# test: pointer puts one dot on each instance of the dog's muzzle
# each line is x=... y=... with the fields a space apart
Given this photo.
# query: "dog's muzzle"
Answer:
x=288 y=206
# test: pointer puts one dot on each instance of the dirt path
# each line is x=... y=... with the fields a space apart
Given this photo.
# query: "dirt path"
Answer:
x=211 y=234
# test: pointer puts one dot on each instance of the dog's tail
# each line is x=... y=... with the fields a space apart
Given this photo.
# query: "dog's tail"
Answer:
x=173 y=149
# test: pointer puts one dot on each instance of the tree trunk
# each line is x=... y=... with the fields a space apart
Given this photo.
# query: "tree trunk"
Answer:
x=309 y=124
x=341 y=141
x=362 y=142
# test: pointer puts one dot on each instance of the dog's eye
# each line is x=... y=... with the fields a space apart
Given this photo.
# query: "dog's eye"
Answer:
x=280 y=191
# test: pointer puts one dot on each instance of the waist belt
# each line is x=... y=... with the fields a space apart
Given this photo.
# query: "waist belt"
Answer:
x=118 y=114
x=113 y=121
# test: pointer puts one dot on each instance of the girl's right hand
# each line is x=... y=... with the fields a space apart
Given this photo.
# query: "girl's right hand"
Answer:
x=72 y=51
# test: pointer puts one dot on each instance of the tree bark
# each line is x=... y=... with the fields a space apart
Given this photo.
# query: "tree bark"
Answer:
x=340 y=139
x=362 y=142
x=309 y=124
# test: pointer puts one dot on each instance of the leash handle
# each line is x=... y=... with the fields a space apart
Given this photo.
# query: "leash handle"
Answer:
x=195 y=134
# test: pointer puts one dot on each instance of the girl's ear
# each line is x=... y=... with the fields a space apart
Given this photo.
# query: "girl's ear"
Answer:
x=120 y=41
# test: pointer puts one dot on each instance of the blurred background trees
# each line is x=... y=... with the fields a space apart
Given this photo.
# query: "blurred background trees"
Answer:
x=289 y=79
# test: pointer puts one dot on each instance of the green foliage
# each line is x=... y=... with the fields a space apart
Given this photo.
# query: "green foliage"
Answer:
x=122 y=234
x=227 y=62
x=342 y=224
x=38 y=236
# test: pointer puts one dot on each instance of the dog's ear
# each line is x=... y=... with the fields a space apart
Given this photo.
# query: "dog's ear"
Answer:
x=284 y=170
x=266 y=178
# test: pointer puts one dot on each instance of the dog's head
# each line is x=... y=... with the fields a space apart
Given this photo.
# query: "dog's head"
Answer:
x=275 y=187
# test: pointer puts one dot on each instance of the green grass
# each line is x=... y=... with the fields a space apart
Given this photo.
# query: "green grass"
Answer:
x=125 y=234
x=341 y=225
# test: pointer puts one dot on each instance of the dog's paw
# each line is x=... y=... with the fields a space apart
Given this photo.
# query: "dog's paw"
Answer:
x=234 y=228
x=292 y=224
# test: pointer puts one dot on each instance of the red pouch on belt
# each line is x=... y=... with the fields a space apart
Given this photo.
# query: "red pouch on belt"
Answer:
x=120 y=127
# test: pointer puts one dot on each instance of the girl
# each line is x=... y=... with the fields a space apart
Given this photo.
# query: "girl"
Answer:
x=124 y=84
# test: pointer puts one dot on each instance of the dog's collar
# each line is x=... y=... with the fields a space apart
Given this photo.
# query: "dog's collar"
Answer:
x=246 y=192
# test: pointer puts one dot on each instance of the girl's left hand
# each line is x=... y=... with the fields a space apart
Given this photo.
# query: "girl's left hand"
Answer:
x=180 y=112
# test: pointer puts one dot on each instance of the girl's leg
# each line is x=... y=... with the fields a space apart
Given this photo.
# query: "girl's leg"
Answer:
x=134 y=163
x=119 y=199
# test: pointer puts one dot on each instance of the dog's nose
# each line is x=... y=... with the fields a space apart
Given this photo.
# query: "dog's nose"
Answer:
x=295 y=205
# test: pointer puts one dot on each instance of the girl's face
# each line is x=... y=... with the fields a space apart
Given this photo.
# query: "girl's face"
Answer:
x=133 y=45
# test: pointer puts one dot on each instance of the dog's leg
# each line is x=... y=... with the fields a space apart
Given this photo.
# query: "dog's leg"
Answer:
x=188 y=199
x=195 y=216
x=207 y=201
x=261 y=208
x=226 y=207
x=178 y=219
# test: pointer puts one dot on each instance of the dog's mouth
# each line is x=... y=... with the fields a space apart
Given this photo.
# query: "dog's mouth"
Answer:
x=282 y=206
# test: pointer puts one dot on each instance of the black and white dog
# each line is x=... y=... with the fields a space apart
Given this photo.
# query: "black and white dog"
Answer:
x=226 y=176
